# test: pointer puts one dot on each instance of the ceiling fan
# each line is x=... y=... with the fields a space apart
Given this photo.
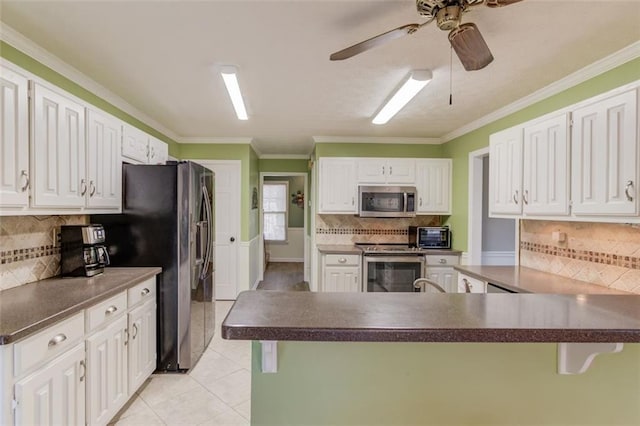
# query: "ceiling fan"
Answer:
x=465 y=39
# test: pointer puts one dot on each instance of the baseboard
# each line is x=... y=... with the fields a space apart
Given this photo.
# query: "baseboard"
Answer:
x=498 y=258
x=287 y=259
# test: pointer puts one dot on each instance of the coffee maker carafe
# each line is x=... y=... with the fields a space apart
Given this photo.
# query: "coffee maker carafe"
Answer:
x=83 y=253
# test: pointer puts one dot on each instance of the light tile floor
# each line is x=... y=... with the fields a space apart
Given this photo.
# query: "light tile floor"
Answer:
x=216 y=392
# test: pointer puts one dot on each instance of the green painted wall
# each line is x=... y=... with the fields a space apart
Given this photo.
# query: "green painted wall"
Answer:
x=254 y=182
x=458 y=149
x=378 y=150
x=330 y=383
x=26 y=62
x=247 y=157
x=283 y=165
x=296 y=183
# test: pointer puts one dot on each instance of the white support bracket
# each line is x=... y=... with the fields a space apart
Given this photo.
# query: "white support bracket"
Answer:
x=269 y=356
x=575 y=358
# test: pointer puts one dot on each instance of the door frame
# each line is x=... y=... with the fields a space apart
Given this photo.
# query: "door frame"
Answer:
x=307 y=238
x=474 y=230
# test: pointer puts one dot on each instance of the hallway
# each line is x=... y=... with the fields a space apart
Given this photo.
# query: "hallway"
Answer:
x=284 y=276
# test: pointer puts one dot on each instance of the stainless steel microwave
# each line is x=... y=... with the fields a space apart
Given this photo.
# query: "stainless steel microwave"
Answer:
x=430 y=237
x=387 y=201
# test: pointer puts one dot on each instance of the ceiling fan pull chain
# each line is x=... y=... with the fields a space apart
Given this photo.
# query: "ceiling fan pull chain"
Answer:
x=451 y=75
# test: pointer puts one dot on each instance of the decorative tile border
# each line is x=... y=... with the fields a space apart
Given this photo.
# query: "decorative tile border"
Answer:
x=360 y=231
x=630 y=262
x=17 y=255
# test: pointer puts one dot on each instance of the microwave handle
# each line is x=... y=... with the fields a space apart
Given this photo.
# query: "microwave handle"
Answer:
x=406 y=200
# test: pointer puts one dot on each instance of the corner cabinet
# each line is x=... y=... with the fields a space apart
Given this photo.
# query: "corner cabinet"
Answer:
x=139 y=147
x=433 y=184
x=337 y=189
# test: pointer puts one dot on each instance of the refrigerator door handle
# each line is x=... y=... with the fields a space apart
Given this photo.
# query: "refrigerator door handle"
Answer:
x=207 y=209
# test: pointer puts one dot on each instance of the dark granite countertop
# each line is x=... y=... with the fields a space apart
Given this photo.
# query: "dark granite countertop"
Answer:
x=425 y=317
x=527 y=280
x=32 y=307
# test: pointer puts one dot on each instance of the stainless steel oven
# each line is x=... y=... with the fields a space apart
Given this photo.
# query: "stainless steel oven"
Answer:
x=391 y=269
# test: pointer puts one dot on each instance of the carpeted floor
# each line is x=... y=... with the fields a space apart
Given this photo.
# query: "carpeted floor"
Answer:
x=284 y=276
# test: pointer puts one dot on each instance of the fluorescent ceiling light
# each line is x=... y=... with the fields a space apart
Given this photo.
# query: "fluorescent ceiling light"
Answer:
x=416 y=82
x=231 y=81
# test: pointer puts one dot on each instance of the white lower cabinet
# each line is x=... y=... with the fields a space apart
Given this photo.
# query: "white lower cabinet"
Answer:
x=467 y=284
x=142 y=343
x=440 y=270
x=54 y=394
x=107 y=372
x=341 y=273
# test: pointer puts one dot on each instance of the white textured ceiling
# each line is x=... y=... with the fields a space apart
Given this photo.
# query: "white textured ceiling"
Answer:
x=161 y=57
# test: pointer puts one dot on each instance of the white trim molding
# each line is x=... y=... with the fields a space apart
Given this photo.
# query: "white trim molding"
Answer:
x=285 y=156
x=216 y=140
x=376 y=139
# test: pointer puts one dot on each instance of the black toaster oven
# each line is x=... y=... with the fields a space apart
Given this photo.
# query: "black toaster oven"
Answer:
x=430 y=237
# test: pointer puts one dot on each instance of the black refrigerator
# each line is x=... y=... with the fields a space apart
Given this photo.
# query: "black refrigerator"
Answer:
x=167 y=220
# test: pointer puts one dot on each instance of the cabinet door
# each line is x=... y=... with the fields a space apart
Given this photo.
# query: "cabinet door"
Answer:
x=107 y=372
x=467 y=284
x=57 y=150
x=104 y=163
x=545 y=186
x=401 y=170
x=505 y=172
x=372 y=171
x=55 y=394
x=445 y=276
x=604 y=157
x=142 y=344
x=433 y=183
x=341 y=279
x=14 y=139
x=158 y=151
x=135 y=145
x=337 y=186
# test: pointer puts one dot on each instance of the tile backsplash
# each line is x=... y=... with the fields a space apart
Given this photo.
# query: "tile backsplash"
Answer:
x=606 y=254
x=347 y=229
x=27 y=249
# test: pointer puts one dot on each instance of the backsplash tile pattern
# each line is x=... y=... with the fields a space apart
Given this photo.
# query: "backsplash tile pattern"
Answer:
x=27 y=249
x=348 y=229
x=605 y=254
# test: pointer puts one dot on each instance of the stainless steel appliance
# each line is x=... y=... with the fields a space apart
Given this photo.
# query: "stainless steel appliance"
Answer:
x=391 y=267
x=82 y=251
x=430 y=237
x=387 y=201
x=167 y=221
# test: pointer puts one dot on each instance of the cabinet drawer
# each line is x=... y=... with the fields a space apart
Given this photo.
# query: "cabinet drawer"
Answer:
x=103 y=312
x=48 y=343
x=342 y=259
x=435 y=260
x=146 y=290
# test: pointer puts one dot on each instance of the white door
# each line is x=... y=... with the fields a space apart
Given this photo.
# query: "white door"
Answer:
x=135 y=145
x=372 y=171
x=433 y=183
x=341 y=279
x=505 y=172
x=227 y=224
x=337 y=189
x=142 y=344
x=104 y=163
x=14 y=139
x=401 y=170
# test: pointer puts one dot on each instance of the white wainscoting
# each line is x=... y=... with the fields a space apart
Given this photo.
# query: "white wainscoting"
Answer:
x=248 y=264
x=292 y=251
x=498 y=258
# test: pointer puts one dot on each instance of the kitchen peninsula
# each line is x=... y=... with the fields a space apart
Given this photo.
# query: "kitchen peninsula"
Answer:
x=366 y=358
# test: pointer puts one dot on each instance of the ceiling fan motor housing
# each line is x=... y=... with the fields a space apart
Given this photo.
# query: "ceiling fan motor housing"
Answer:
x=448 y=17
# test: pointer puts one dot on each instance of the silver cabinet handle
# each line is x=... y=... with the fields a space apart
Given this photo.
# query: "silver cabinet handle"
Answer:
x=92 y=188
x=525 y=196
x=147 y=151
x=442 y=261
x=126 y=336
x=135 y=332
x=420 y=201
x=467 y=286
x=58 y=338
x=24 y=175
x=515 y=197
x=111 y=309
x=144 y=291
x=84 y=370
x=353 y=201
x=382 y=169
x=83 y=187
x=626 y=190
x=390 y=170
x=342 y=260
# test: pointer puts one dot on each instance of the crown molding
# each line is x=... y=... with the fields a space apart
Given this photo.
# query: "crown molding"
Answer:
x=376 y=139
x=605 y=64
x=38 y=53
x=216 y=140
x=285 y=156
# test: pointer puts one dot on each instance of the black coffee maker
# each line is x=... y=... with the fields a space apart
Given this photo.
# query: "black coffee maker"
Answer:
x=83 y=253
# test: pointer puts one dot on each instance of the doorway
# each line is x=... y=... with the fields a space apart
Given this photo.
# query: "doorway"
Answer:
x=294 y=248
x=492 y=241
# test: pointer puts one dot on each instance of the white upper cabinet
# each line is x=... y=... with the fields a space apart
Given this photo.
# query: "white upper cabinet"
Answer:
x=14 y=139
x=433 y=183
x=104 y=163
x=604 y=166
x=135 y=144
x=545 y=187
x=337 y=188
x=57 y=150
x=158 y=151
x=505 y=172
x=383 y=170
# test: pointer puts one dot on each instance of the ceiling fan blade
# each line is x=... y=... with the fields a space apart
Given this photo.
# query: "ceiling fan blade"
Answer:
x=500 y=3
x=470 y=47
x=374 y=41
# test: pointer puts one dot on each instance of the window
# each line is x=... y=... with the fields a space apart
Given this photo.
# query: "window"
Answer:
x=274 y=206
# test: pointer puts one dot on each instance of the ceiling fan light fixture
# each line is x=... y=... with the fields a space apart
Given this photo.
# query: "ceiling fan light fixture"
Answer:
x=230 y=78
x=416 y=81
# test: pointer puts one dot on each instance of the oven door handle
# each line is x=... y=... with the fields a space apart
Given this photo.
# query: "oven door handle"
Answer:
x=403 y=258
